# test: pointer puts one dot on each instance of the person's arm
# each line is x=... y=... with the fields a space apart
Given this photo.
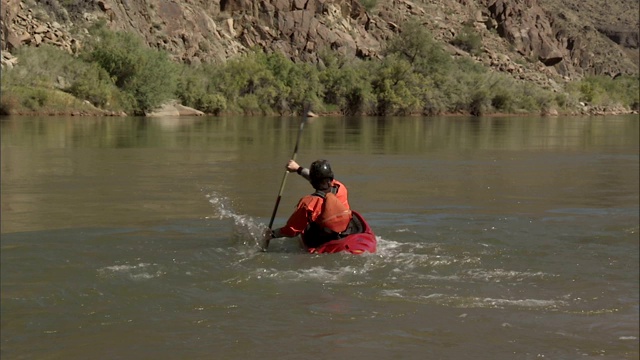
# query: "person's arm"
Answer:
x=293 y=166
x=296 y=224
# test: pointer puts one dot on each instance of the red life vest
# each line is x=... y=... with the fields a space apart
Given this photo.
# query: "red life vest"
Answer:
x=335 y=216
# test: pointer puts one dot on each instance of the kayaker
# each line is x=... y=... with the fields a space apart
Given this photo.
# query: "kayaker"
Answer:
x=322 y=216
x=341 y=193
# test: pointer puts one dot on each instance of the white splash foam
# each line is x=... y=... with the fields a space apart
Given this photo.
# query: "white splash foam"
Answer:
x=393 y=293
x=527 y=303
x=246 y=227
x=132 y=271
x=315 y=274
x=499 y=275
x=409 y=256
x=123 y=268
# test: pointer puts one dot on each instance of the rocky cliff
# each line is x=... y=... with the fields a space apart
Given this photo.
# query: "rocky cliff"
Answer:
x=543 y=41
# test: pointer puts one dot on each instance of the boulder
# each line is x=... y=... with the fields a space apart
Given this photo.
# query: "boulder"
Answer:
x=173 y=108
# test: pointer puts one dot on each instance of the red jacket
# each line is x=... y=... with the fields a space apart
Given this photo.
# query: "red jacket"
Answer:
x=308 y=210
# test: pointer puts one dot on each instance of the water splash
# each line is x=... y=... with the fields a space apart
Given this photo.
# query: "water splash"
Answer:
x=430 y=268
x=246 y=229
x=138 y=272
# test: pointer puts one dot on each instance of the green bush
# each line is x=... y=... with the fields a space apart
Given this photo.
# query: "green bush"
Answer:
x=416 y=45
x=94 y=85
x=36 y=100
x=369 y=4
x=211 y=104
x=434 y=102
x=468 y=40
x=347 y=85
x=590 y=92
x=266 y=83
x=397 y=89
x=118 y=71
x=147 y=75
x=604 y=90
x=502 y=102
x=196 y=88
x=249 y=104
x=190 y=88
x=479 y=102
x=245 y=82
x=8 y=101
x=44 y=65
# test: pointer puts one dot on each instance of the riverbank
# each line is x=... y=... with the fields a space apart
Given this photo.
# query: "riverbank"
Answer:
x=55 y=102
x=87 y=110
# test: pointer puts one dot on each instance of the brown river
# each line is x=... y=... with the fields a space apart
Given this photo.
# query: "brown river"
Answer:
x=498 y=238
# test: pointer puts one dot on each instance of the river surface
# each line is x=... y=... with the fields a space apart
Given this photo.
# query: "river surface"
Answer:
x=498 y=238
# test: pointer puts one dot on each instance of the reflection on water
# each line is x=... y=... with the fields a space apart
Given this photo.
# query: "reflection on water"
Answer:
x=57 y=171
x=137 y=238
x=375 y=135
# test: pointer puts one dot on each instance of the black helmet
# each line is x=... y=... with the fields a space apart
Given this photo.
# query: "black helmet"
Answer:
x=319 y=170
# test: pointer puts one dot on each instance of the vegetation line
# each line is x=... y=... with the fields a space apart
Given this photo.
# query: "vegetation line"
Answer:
x=117 y=73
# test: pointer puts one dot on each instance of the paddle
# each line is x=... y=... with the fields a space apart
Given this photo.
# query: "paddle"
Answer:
x=286 y=172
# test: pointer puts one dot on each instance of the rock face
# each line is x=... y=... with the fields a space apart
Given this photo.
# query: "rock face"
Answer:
x=543 y=41
x=21 y=26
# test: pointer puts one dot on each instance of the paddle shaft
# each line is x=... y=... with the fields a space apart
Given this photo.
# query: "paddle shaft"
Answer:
x=284 y=177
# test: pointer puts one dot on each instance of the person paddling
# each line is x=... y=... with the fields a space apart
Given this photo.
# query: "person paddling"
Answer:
x=342 y=193
x=322 y=216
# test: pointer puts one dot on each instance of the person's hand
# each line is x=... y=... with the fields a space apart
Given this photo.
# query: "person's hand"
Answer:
x=267 y=235
x=292 y=166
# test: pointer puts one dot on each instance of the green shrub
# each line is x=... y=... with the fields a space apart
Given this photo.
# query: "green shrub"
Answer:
x=190 y=89
x=396 y=88
x=562 y=100
x=211 y=104
x=502 y=102
x=416 y=45
x=369 y=4
x=147 y=75
x=36 y=99
x=94 y=85
x=249 y=104
x=8 y=101
x=244 y=77
x=434 y=102
x=479 y=102
x=346 y=85
x=501 y=90
x=468 y=40
x=416 y=75
x=527 y=101
x=44 y=65
x=267 y=83
x=604 y=90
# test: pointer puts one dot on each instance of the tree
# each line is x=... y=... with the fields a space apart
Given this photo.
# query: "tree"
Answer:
x=146 y=74
x=397 y=89
x=415 y=44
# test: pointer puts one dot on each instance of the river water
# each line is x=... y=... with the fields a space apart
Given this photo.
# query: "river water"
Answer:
x=498 y=238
